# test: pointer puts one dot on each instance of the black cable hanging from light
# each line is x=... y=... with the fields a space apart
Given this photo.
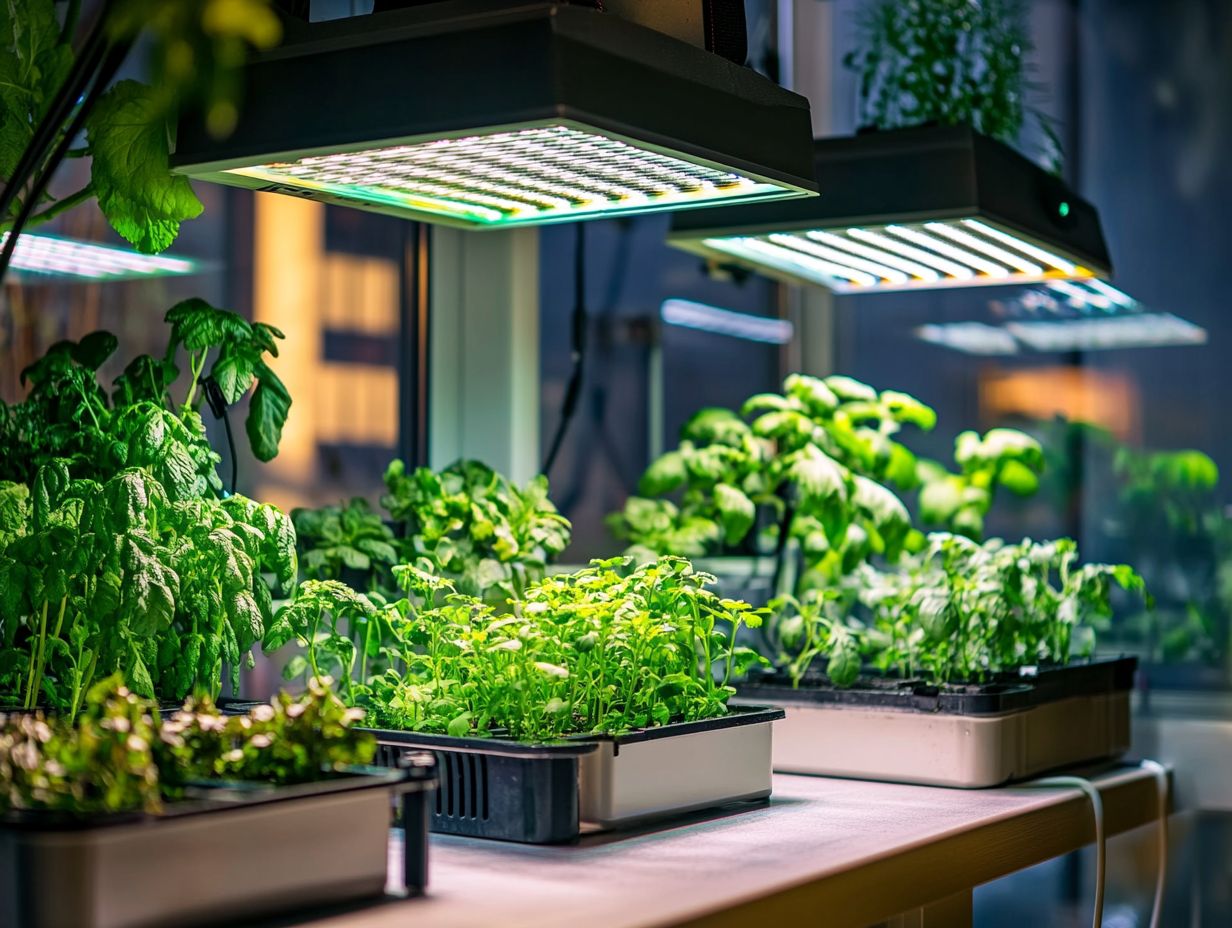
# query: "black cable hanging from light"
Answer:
x=95 y=66
x=579 y=341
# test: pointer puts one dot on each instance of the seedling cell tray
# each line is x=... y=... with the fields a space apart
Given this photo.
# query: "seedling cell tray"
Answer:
x=543 y=794
x=967 y=736
x=242 y=852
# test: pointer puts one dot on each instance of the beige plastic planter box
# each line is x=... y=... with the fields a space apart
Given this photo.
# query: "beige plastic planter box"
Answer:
x=205 y=863
x=983 y=736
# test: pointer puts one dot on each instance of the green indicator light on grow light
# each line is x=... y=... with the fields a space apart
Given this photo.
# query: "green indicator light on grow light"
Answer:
x=1063 y=209
x=545 y=174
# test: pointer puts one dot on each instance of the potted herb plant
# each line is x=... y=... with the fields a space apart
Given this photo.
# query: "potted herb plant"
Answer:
x=123 y=818
x=601 y=697
x=972 y=660
x=118 y=551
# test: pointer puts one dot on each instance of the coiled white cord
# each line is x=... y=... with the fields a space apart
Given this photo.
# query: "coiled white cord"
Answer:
x=1097 y=808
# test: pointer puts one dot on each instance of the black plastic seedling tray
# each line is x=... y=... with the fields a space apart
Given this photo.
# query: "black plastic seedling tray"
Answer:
x=532 y=793
x=225 y=852
x=1004 y=693
x=489 y=788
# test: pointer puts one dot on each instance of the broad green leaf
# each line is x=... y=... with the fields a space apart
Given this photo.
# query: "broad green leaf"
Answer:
x=267 y=414
x=663 y=475
x=737 y=512
x=130 y=169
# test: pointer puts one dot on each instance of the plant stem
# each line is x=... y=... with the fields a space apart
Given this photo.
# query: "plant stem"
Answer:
x=36 y=658
x=197 y=363
x=62 y=205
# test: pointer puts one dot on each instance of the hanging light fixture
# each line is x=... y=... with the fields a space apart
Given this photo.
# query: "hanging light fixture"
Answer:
x=479 y=114
x=37 y=256
x=1064 y=316
x=912 y=209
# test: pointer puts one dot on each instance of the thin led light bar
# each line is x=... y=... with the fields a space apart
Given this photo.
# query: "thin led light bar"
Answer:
x=976 y=338
x=53 y=256
x=475 y=114
x=1065 y=316
x=912 y=209
x=704 y=318
x=1136 y=330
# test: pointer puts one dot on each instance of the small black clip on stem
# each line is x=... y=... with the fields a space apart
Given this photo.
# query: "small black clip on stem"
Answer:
x=218 y=406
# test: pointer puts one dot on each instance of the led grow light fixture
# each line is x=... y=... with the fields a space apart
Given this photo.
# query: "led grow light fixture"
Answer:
x=53 y=256
x=912 y=209
x=482 y=114
x=1064 y=316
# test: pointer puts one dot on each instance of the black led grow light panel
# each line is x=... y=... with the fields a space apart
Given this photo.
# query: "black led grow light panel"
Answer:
x=912 y=209
x=484 y=114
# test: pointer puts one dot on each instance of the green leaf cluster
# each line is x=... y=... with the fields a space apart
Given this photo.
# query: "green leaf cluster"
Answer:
x=958 y=502
x=486 y=535
x=949 y=62
x=348 y=539
x=959 y=611
x=612 y=648
x=119 y=756
x=67 y=415
x=124 y=577
x=196 y=52
x=820 y=457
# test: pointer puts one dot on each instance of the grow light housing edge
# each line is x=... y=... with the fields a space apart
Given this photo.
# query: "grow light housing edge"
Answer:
x=494 y=69
x=912 y=177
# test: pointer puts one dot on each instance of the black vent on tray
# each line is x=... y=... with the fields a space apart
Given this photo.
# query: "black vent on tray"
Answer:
x=463 y=789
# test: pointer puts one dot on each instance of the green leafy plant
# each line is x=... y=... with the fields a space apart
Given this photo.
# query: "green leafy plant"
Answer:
x=124 y=577
x=68 y=415
x=351 y=538
x=119 y=756
x=611 y=648
x=960 y=611
x=950 y=62
x=1163 y=512
x=823 y=459
x=116 y=552
x=959 y=501
x=196 y=50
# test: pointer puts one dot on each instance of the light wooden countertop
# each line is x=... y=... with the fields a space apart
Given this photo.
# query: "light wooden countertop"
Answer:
x=856 y=851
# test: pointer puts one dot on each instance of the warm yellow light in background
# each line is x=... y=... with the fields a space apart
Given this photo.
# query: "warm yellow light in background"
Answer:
x=1102 y=398
x=308 y=292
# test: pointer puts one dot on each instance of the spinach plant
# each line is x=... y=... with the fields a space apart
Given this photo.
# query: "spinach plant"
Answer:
x=611 y=648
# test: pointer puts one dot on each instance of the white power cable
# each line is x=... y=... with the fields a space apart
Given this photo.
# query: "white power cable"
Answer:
x=1097 y=808
x=1161 y=876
